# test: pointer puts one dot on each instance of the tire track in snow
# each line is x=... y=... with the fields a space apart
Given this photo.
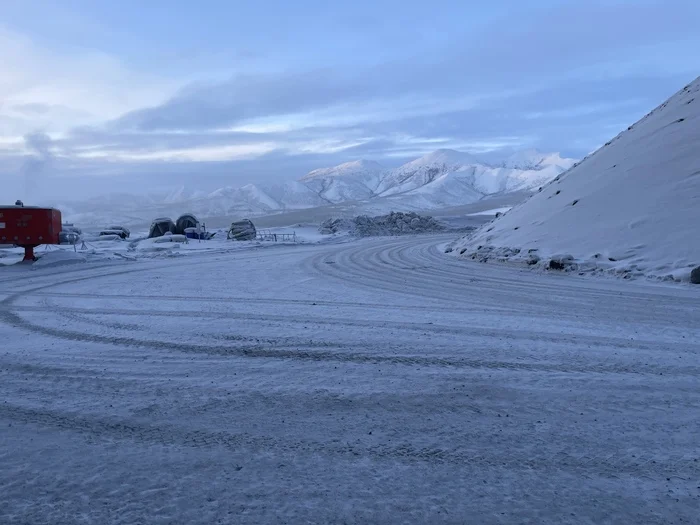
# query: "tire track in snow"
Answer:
x=465 y=332
x=304 y=354
x=579 y=463
x=427 y=268
x=262 y=301
x=368 y=267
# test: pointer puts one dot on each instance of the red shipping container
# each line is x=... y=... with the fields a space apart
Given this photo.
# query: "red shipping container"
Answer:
x=29 y=226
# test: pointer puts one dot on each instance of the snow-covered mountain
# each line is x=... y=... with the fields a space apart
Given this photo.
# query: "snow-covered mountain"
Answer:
x=424 y=171
x=442 y=178
x=439 y=179
x=294 y=196
x=531 y=159
x=632 y=206
x=351 y=181
x=224 y=201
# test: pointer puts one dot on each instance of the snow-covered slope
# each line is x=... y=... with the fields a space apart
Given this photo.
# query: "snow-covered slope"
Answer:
x=248 y=197
x=631 y=206
x=425 y=170
x=348 y=182
x=294 y=196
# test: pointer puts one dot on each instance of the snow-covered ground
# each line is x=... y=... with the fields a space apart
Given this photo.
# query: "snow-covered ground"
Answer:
x=377 y=381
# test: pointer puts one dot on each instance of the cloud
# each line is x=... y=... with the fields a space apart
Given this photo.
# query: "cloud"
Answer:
x=573 y=41
x=43 y=88
x=562 y=77
x=552 y=118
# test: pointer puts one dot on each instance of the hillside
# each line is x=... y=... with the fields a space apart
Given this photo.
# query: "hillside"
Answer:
x=631 y=207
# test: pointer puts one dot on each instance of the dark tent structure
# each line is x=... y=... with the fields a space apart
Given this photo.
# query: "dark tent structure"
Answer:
x=160 y=227
x=185 y=221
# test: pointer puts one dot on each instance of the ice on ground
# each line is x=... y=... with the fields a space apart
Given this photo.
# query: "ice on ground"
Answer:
x=631 y=207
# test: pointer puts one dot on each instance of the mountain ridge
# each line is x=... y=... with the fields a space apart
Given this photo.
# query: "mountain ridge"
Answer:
x=439 y=179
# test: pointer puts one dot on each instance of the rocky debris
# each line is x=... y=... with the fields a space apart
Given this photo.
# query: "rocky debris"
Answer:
x=336 y=225
x=562 y=263
x=695 y=276
x=556 y=265
x=396 y=223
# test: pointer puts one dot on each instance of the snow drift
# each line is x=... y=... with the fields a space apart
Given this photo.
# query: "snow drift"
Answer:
x=632 y=206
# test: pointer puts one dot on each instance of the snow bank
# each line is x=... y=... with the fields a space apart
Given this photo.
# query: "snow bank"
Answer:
x=396 y=223
x=631 y=207
x=58 y=258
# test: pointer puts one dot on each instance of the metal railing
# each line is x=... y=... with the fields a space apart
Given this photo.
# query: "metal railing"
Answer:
x=268 y=235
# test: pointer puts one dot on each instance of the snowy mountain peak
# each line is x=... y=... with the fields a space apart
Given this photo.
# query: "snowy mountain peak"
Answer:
x=448 y=157
x=351 y=181
x=425 y=170
x=532 y=159
x=348 y=169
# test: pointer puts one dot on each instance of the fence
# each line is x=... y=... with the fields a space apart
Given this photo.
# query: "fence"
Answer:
x=267 y=235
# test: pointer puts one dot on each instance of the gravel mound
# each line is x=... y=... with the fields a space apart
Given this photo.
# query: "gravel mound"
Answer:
x=396 y=223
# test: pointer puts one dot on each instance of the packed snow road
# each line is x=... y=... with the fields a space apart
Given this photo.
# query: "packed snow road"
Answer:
x=378 y=381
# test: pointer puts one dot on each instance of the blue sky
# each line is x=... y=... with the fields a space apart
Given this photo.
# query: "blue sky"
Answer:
x=100 y=96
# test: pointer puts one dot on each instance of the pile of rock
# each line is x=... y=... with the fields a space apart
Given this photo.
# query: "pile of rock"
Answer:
x=396 y=223
x=337 y=225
